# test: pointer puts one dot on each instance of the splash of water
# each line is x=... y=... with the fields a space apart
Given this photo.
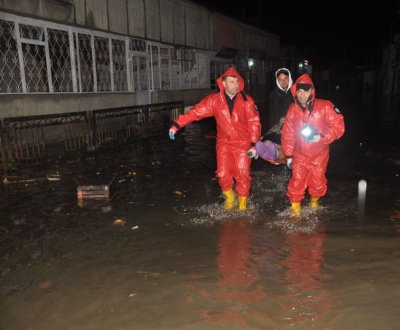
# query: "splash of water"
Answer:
x=305 y=223
x=211 y=214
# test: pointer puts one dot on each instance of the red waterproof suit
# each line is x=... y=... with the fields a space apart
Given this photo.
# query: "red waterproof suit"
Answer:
x=236 y=133
x=310 y=160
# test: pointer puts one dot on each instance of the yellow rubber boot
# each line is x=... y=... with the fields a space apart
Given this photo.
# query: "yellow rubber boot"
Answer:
x=229 y=199
x=296 y=209
x=314 y=202
x=242 y=203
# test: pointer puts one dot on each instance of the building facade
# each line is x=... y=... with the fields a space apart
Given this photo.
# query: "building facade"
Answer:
x=60 y=56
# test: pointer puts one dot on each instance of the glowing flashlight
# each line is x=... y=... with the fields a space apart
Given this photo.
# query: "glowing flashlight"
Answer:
x=308 y=132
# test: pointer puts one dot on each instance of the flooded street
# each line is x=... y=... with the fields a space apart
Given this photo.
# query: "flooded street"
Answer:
x=163 y=254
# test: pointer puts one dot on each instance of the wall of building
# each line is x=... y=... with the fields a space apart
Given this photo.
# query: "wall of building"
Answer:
x=45 y=104
x=48 y=9
x=233 y=34
x=29 y=105
x=170 y=21
x=175 y=22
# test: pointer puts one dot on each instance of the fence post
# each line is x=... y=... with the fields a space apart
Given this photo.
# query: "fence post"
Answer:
x=91 y=130
x=3 y=154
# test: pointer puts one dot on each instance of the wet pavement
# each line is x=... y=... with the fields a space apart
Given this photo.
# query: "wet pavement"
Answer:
x=162 y=254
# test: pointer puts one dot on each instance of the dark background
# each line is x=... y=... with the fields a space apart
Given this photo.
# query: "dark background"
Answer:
x=353 y=42
x=323 y=31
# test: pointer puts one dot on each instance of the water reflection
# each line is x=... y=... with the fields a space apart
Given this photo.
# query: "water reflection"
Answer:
x=236 y=272
x=260 y=285
x=238 y=284
x=306 y=298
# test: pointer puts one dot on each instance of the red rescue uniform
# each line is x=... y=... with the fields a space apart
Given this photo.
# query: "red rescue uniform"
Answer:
x=310 y=160
x=237 y=131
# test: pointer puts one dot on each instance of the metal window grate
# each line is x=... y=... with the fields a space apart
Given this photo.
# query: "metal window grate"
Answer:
x=85 y=63
x=165 y=69
x=155 y=82
x=60 y=60
x=102 y=56
x=38 y=56
x=119 y=65
x=10 y=77
x=34 y=59
x=30 y=32
x=137 y=45
x=139 y=73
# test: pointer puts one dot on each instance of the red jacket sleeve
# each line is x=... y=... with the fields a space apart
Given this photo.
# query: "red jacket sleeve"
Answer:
x=201 y=110
x=253 y=122
x=334 y=125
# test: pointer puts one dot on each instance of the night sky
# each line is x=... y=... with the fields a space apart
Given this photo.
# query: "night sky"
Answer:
x=324 y=31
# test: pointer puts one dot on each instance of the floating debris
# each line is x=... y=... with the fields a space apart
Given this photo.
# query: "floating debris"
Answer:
x=16 y=179
x=119 y=222
x=102 y=191
x=53 y=177
x=7 y=179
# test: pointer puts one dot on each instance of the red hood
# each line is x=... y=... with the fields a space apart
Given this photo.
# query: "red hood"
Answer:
x=230 y=72
x=305 y=78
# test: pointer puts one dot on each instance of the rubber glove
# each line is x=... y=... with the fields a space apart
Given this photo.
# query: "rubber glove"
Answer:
x=252 y=153
x=172 y=132
x=289 y=163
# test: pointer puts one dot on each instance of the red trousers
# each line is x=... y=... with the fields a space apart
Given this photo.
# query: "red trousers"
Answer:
x=233 y=164
x=308 y=173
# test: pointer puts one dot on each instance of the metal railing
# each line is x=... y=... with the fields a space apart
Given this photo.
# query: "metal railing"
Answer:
x=46 y=136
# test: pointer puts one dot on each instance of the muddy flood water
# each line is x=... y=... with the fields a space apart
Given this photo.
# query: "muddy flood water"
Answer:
x=162 y=254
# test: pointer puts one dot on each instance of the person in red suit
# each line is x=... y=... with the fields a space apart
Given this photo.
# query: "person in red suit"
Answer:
x=238 y=129
x=311 y=125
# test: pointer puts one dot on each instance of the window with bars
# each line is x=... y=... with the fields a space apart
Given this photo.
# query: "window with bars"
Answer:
x=138 y=65
x=10 y=75
x=119 y=66
x=37 y=56
x=60 y=60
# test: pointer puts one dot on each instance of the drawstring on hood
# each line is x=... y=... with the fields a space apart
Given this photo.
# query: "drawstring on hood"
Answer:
x=287 y=72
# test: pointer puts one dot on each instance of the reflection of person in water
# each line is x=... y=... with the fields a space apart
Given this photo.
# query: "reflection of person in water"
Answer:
x=234 y=256
x=307 y=299
x=237 y=277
